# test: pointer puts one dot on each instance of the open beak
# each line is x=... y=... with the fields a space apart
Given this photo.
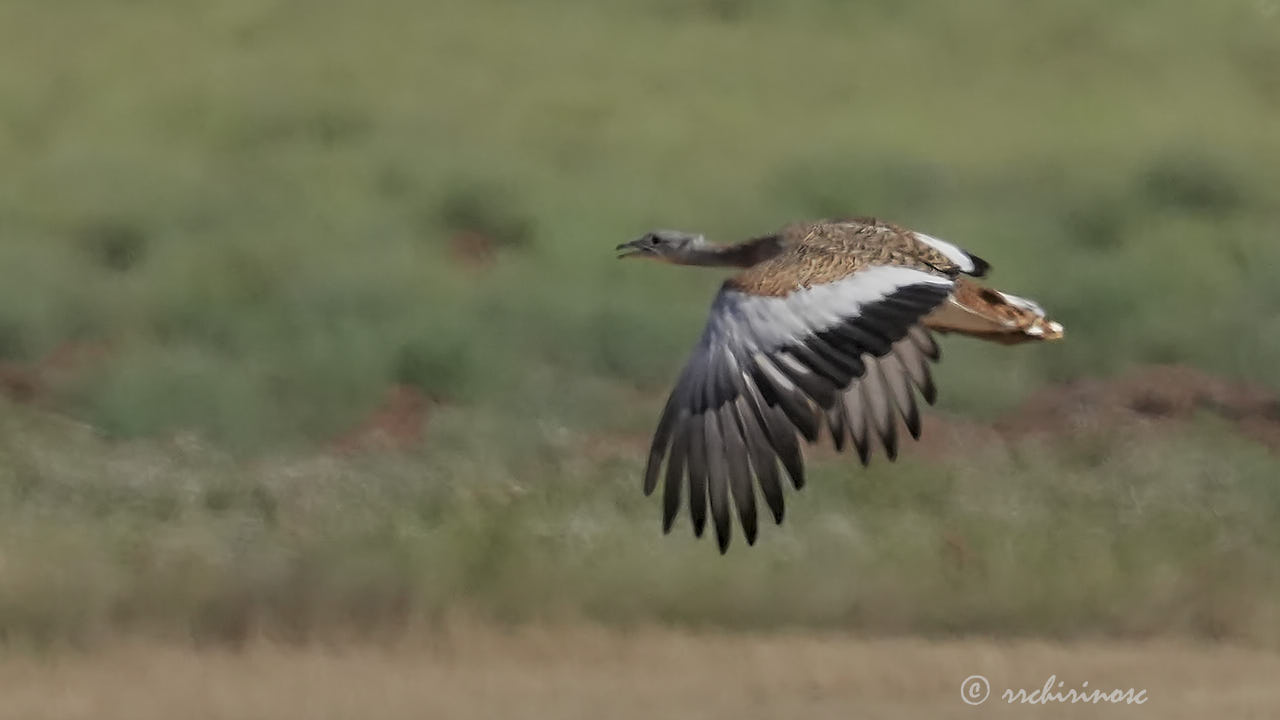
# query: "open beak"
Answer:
x=635 y=248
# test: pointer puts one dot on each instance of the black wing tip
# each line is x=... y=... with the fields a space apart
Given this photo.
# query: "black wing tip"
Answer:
x=864 y=455
x=911 y=417
x=930 y=393
x=914 y=428
x=811 y=433
x=837 y=440
x=980 y=267
x=653 y=466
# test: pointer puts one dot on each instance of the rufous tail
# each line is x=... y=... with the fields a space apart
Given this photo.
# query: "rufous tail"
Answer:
x=989 y=314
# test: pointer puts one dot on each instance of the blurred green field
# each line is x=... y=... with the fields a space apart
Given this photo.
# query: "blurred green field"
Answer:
x=264 y=213
x=1119 y=534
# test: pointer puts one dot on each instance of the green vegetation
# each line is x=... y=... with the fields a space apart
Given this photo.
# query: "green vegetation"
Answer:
x=262 y=210
x=1132 y=534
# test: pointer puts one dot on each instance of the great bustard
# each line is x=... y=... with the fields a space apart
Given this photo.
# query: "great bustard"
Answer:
x=827 y=324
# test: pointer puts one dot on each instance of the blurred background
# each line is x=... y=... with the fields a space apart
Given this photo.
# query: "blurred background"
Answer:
x=311 y=330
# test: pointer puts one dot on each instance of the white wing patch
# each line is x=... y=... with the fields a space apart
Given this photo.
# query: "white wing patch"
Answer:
x=747 y=322
x=952 y=253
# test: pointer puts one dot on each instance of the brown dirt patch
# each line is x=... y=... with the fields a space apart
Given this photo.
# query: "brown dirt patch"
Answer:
x=1147 y=399
x=33 y=382
x=474 y=250
x=398 y=424
x=1146 y=396
x=20 y=383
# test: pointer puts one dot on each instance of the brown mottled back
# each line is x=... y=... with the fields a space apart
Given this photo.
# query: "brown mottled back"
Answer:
x=822 y=252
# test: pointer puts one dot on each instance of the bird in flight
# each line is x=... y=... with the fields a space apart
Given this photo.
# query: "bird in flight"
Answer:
x=827 y=324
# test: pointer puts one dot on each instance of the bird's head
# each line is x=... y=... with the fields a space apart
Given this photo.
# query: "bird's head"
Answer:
x=668 y=245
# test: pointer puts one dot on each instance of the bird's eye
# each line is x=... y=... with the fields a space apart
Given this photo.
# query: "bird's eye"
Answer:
x=653 y=239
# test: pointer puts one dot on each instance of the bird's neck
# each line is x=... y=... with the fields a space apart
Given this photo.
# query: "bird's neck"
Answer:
x=741 y=255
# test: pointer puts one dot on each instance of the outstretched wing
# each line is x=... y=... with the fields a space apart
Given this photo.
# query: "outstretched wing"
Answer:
x=846 y=353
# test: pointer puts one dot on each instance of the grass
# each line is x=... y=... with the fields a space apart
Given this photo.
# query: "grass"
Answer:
x=584 y=672
x=1128 y=534
x=255 y=205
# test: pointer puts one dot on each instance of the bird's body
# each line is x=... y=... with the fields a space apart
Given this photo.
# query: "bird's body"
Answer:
x=811 y=254
x=827 y=324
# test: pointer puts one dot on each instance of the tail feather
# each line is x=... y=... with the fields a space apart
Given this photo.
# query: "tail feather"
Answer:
x=989 y=314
